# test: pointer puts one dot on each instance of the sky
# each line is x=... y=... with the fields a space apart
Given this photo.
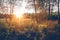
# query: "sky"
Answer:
x=20 y=7
x=23 y=6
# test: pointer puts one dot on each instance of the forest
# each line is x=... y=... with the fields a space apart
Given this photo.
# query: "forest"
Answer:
x=42 y=23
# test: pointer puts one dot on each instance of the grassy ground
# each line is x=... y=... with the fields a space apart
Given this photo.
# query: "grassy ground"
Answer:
x=13 y=31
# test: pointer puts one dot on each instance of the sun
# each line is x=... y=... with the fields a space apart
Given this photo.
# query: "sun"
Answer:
x=18 y=11
x=18 y=15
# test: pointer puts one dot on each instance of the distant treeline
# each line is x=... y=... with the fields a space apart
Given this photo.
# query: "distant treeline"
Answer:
x=5 y=15
x=37 y=16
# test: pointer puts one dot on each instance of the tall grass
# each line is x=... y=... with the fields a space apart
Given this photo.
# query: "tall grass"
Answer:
x=26 y=30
